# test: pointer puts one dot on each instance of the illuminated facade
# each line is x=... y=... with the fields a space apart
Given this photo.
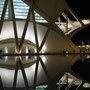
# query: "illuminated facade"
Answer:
x=34 y=50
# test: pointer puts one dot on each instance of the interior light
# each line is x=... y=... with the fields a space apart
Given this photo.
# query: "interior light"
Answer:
x=44 y=47
x=79 y=46
x=83 y=45
x=27 y=52
x=66 y=53
x=35 y=57
x=87 y=46
x=82 y=42
x=6 y=51
x=83 y=60
x=43 y=59
x=88 y=56
x=35 y=50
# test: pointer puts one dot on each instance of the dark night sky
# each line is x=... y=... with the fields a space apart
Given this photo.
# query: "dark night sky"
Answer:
x=82 y=9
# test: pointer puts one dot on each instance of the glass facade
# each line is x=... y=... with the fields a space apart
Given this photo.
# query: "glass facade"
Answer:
x=20 y=9
x=41 y=87
x=1 y=9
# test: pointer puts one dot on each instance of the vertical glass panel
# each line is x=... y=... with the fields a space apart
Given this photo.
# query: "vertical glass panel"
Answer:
x=1 y=9
x=20 y=9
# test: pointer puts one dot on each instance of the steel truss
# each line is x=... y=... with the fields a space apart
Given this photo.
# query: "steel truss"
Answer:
x=19 y=53
x=19 y=46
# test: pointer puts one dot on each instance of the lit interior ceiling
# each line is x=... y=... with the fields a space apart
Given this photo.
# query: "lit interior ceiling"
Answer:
x=54 y=40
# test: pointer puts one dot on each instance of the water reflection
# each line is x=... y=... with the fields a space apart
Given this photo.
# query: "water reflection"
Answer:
x=81 y=68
